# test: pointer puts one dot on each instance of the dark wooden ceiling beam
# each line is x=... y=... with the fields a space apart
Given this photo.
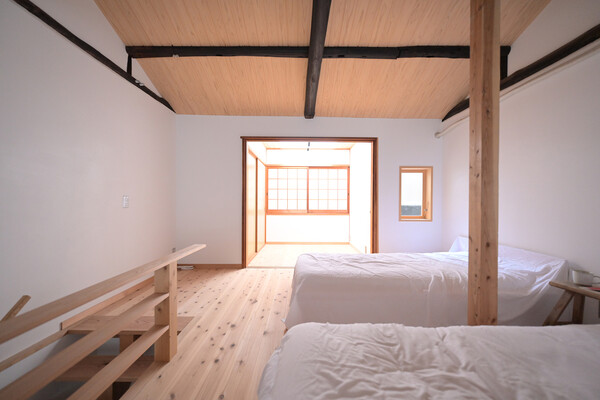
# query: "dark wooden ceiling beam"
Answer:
x=377 y=53
x=67 y=34
x=318 y=30
x=574 y=45
x=217 y=51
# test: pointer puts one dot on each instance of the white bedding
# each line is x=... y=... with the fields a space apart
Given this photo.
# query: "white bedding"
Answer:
x=418 y=289
x=390 y=361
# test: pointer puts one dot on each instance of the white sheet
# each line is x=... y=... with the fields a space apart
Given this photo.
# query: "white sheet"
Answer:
x=390 y=361
x=418 y=289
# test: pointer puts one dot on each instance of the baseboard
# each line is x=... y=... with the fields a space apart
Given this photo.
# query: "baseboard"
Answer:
x=213 y=266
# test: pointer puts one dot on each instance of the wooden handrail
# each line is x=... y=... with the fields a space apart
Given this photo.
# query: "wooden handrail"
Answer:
x=31 y=319
x=37 y=378
x=103 y=304
x=94 y=387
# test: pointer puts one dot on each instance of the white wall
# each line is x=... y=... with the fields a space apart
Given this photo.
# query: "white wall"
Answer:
x=308 y=228
x=559 y=22
x=74 y=138
x=360 y=196
x=549 y=165
x=209 y=177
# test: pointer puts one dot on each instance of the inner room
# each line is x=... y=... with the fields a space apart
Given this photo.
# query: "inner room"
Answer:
x=313 y=196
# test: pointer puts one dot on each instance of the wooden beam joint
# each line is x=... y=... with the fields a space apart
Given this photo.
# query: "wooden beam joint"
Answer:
x=562 y=52
x=62 y=30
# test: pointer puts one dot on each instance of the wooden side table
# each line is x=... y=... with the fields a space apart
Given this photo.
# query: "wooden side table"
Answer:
x=570 y=291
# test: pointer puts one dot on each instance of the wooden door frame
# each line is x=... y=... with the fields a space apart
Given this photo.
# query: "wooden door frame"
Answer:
x=244 y=246
x=374 y=179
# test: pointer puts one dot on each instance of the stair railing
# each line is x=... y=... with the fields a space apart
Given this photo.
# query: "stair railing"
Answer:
x=163 y=334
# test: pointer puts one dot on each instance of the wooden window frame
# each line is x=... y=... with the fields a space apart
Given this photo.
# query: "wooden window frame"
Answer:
x=427 y=203
x=308 y=210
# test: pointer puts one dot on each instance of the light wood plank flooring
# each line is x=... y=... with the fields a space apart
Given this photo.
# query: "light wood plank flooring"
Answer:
x=285 y=255
x=236 y=327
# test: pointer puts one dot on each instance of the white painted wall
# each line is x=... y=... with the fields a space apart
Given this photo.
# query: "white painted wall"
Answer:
x=209 y=177
x=74 y=138
x=559 y=22
x=360 y=196
x=549 y=164
x=84 y=19
x=308 y=228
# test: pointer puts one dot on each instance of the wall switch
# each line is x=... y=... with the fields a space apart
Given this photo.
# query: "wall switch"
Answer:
x=125 y=201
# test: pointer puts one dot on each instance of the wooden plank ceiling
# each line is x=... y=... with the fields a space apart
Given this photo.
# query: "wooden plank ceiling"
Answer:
x=403 y=88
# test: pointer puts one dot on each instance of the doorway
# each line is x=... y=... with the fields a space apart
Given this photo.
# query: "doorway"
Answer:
x=304 y=194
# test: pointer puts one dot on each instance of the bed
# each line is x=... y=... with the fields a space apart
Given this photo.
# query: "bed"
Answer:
x=419 y=289
x=392 y=361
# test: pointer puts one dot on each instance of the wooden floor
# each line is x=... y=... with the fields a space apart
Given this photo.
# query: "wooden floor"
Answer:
x=237 y=324
x=285 y=255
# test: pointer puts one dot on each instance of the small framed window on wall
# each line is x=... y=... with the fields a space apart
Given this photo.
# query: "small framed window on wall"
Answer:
x=416 y=193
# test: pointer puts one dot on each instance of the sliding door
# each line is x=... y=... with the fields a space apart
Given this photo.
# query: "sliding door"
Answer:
x=251 y=168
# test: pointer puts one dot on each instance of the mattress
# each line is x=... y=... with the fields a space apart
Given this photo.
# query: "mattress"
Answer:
x=418 y=289
x=392 y=361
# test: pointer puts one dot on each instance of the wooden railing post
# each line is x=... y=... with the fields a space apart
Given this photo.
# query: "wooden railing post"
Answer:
x=165 y=313
x=17 y=307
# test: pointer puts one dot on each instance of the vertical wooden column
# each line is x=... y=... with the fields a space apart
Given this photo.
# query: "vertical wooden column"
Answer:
x=165 y=313
x=483 y=162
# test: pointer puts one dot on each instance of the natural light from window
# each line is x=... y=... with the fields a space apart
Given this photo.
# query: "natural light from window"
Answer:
x=412 y=193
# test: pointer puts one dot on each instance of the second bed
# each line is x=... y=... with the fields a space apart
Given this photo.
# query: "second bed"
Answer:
x=419 y=289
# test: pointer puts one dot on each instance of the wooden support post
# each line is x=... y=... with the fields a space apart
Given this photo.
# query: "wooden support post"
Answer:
x=318 y=30
x=483 y=162
x=124 y=342
x=165 y=313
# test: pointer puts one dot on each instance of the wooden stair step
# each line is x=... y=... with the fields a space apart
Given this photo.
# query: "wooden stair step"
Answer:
x=91 y=365
x=136 y=327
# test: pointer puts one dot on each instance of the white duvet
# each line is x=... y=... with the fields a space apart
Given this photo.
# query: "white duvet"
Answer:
x=390 y=361
x=418 y=289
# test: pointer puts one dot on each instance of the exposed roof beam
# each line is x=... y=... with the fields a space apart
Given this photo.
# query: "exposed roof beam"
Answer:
x=217 y=51
x=377 y=53
x=318 y=30
x=574 y=45
x=61 y=29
